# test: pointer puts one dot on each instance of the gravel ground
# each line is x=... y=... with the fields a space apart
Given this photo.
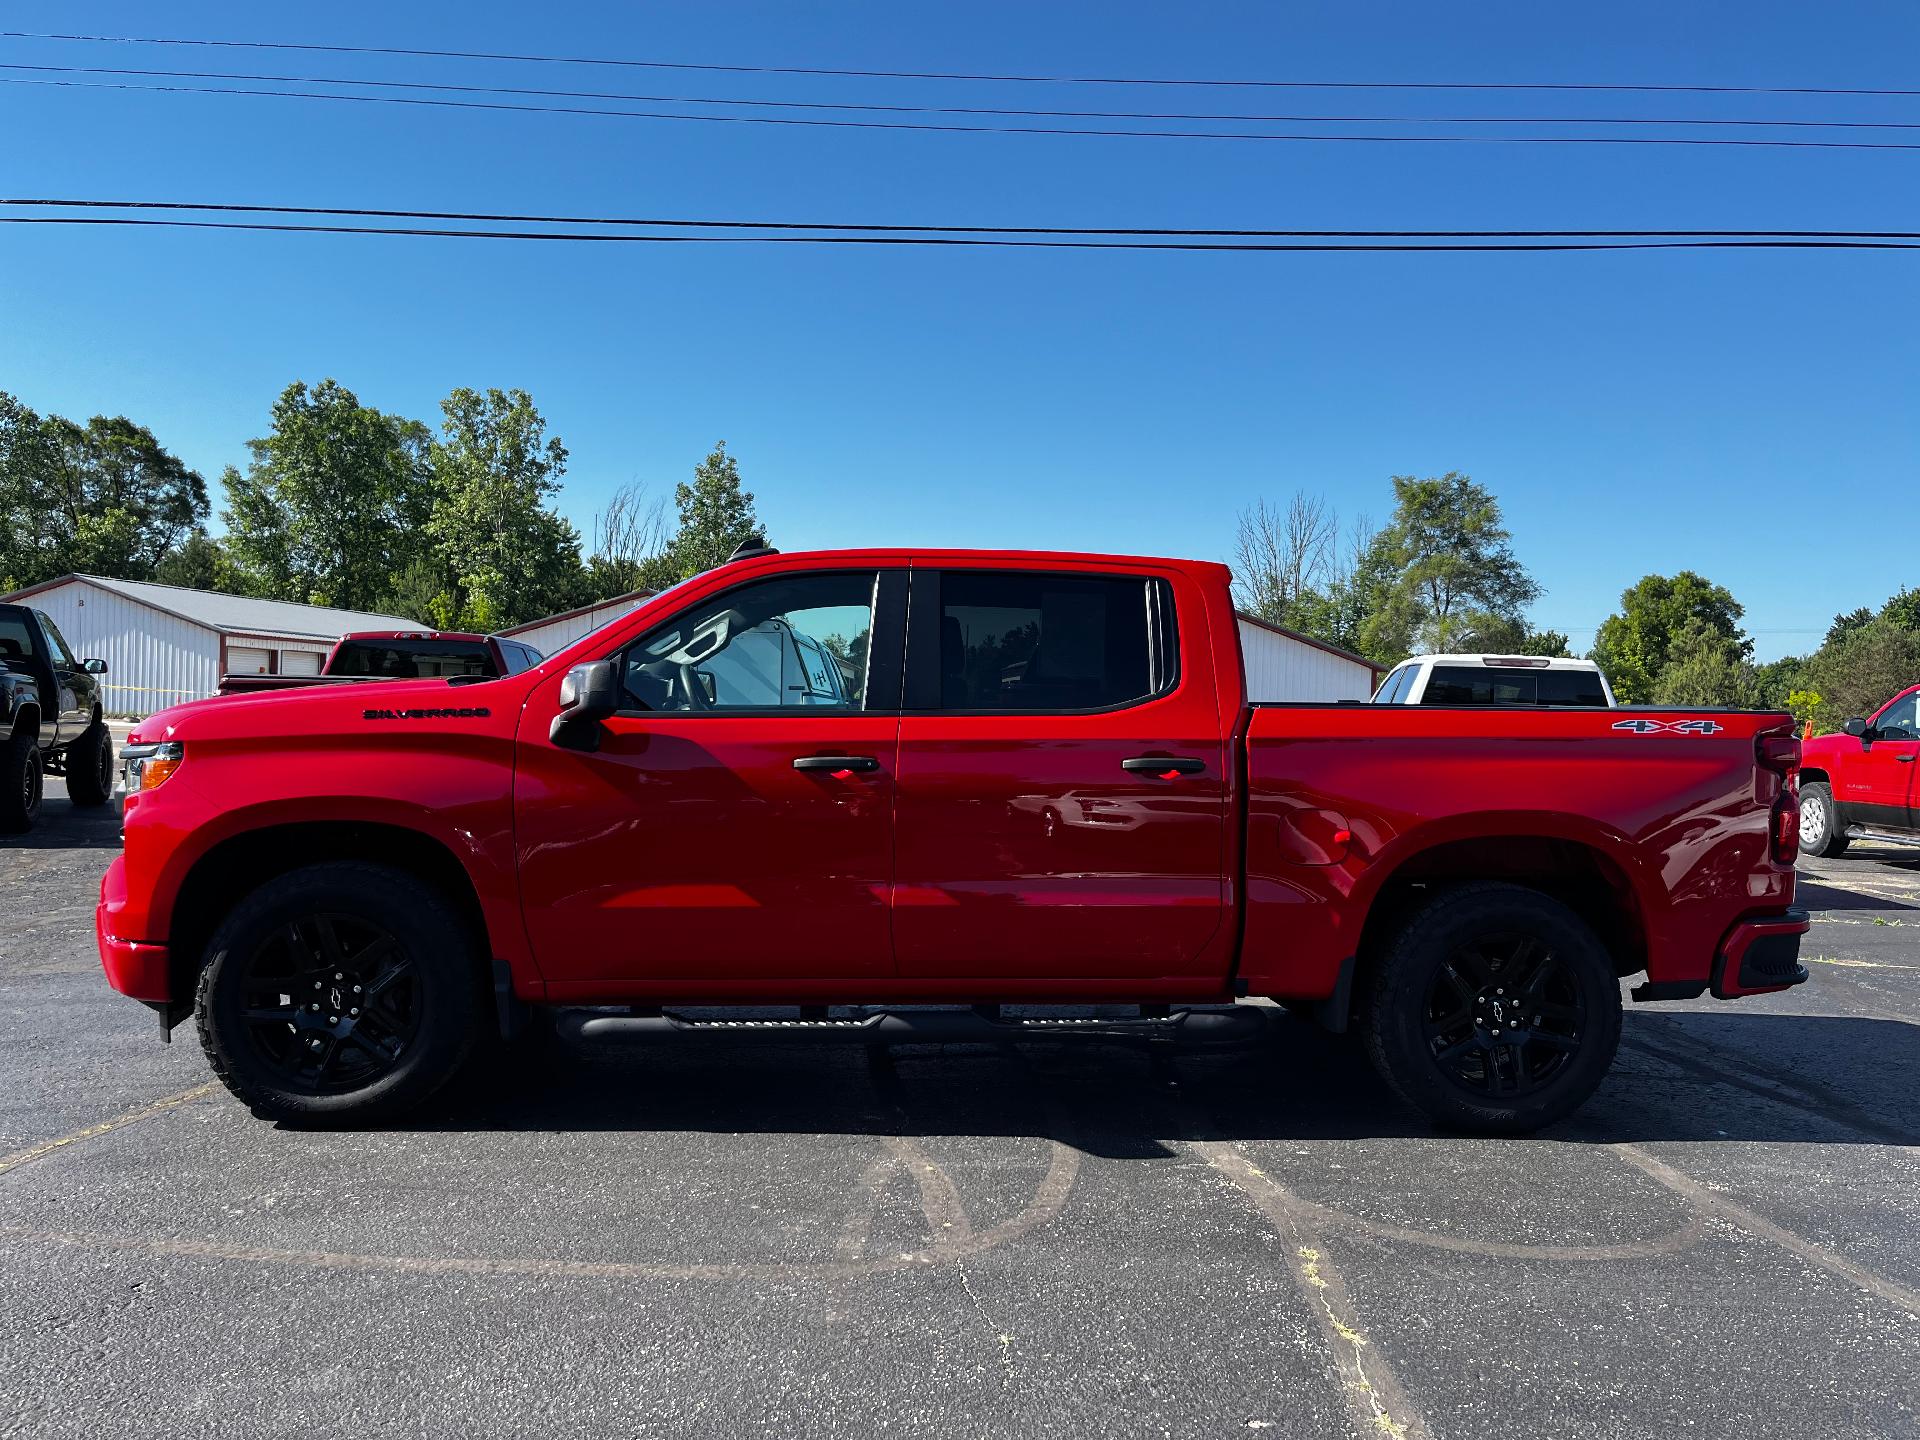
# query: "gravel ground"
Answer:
x=1060 y=1240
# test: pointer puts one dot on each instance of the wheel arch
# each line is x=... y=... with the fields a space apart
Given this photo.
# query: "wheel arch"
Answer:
x=1814 y=774
x=239 y=864
x=26 y=722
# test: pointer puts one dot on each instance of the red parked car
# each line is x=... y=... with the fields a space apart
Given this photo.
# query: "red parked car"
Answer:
x=1030 y=778
x=399 y=655
x=1859 y=784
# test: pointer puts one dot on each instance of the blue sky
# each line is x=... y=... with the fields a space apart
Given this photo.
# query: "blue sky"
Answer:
x=1751 y=415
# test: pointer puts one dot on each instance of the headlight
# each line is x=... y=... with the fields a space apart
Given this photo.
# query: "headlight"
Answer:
x=146 y=767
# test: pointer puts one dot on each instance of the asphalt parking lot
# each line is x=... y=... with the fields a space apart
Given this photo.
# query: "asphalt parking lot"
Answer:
x=712 y=1239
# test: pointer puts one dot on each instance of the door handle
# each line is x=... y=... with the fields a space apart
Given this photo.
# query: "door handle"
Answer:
x=1165 y=766
x=838 y=764
x=1904 y=759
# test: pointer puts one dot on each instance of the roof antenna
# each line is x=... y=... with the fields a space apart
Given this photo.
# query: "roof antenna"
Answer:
x=751 y=546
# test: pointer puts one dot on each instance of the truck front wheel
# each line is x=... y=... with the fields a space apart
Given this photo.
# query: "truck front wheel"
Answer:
x=21 y=783
x=1494 y=1008
x=1820 y=829
x=339 y=992
x=90 y=766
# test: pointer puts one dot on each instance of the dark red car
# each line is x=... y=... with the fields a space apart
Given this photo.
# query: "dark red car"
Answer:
x=1859 y=784
x=843 y=781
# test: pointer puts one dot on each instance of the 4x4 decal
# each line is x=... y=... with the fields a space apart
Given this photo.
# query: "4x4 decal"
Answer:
x=1670 y=727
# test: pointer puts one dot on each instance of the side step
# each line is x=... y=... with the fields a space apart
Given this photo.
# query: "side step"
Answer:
x=1884 y=837
x=922 y=1027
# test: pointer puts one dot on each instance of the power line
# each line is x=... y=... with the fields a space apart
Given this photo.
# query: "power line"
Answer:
x=655 y=222
x=952 y=75
x=789 y=120
x=539 y=93
x=949 y=240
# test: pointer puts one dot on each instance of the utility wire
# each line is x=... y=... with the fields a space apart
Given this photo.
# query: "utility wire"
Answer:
x=790 y=120
x=640 y=222
x=947 y=240
x=951 y=75
x=964 y=109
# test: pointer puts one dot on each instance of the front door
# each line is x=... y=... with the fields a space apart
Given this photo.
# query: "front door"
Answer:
x=1063 y=781
x=75 y=688
x=733 y=835
x=1877 y=784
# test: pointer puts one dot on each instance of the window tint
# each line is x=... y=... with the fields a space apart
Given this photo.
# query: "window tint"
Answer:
x=412 y=659
x=1897 y=721
x=795 y=641
x=1021 y=641
x=56 y=643
x=15 y=642
x=1464 y=685
x=1570 y=687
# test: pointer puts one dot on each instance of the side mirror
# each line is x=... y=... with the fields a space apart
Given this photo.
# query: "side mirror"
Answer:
x=1856 y=727
x=588 y=695
x=94 y=667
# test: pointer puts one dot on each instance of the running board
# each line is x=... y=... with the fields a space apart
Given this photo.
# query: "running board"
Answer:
x=1885 y=837
x=922 y=1027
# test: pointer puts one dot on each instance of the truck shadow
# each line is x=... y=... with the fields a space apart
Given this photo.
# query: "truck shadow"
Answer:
x=1813 y=895
x=1693 y=1075
x=64 y=825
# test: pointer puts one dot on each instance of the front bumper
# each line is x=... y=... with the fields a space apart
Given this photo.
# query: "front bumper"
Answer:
x=134 y=967
x=1760 y=956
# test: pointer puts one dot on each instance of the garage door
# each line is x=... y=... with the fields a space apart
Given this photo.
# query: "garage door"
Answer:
x=300 y=662
x=246 y=660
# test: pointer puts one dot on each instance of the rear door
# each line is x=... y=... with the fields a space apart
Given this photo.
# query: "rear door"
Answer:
x=1062 y=809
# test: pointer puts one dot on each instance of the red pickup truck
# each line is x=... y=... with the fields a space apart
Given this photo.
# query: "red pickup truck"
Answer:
x=1860 y=784
x=844 y=780
x=399 y=655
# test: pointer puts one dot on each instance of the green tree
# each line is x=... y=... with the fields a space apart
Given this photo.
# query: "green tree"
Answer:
x=716 y=516
x=1903 y=609
x=511 y=558
x=1847 y=624
x=1863 y=670
x=199 y=562
x=122 y=499
x=1634 y=645
x=1776 y=682
x=29 y=523
x=331 y=504
x=1450 y=555
x=1704 y=667
x=1509 y=635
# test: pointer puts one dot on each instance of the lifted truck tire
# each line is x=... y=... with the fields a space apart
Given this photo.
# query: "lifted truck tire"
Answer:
x=280 y=1017
x=1494 y=1008
x=90 y=766
x=1821 y=832
x=21 y=783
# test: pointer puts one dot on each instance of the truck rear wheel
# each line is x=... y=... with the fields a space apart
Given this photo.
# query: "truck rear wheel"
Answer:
x=21 y=783
x=90 y=766
x=338 y=993
x=1494 y=1008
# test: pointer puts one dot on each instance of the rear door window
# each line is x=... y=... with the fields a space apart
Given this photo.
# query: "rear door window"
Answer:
x=1012 y=641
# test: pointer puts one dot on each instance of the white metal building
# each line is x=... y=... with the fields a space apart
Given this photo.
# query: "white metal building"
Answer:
x=1283 y=664
x=556 y=632
x=165 y=643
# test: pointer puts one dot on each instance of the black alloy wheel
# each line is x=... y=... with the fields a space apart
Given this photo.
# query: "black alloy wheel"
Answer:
x=331 y=1003
x=1503 y=1015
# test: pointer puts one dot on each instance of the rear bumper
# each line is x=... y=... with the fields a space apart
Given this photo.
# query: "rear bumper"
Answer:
x=1760 y=956
x=133 y=967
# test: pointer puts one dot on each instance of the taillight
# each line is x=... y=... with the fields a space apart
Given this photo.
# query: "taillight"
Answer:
x=1778 y=752
x=1785 y=832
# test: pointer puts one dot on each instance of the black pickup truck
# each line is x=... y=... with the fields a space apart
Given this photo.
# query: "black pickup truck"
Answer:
x=49 y=719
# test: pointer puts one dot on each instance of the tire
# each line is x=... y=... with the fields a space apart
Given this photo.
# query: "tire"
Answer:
x=90 y=766
x=1448 y=1036
x=22 y=784
x=1821 y=833
x=307 y=938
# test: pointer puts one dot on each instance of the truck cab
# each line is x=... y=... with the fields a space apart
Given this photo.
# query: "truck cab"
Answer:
x=50 y=718
x=1859 y=784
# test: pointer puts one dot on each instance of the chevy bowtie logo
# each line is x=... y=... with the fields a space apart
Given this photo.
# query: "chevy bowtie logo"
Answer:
x=1670 y=727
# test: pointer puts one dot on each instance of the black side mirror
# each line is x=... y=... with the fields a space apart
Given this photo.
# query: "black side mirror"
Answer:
x=1856 y=727
x=94 y=667
x=588 y=695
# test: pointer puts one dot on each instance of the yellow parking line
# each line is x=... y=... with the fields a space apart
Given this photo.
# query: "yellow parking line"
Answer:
x=145 y=1112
